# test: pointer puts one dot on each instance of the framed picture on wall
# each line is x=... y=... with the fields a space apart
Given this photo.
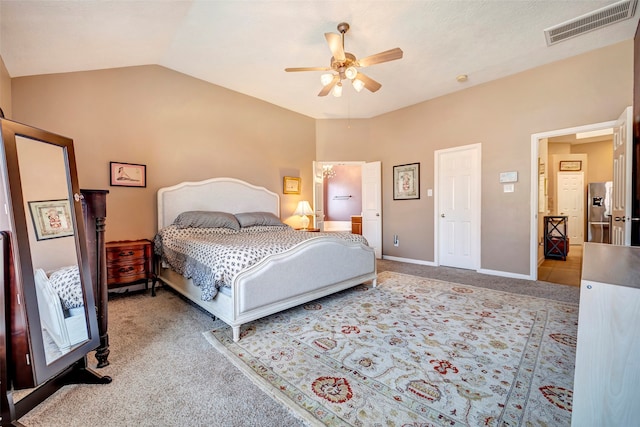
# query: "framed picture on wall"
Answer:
x=128 y=175
x=406 y=181
x=291 y=185
x=51 y=218
x=570 y=165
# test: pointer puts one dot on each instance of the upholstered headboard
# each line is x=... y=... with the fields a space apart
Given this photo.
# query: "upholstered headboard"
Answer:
x=215 y=194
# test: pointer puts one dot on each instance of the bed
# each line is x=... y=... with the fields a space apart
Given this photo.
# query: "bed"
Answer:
x=318 y=266
x=61 y=306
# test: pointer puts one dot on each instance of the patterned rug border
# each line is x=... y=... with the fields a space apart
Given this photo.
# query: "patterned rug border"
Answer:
x=263 y=384
x=293 y=407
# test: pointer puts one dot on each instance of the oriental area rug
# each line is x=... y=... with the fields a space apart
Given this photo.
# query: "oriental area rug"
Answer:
x=414 y=352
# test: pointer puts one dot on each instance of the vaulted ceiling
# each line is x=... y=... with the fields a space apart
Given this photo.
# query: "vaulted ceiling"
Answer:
x=246 y=45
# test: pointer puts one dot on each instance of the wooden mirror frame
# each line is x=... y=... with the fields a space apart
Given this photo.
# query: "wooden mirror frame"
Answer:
x=25 y=357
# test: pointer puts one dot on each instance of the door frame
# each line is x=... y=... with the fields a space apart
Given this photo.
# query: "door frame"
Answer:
x=535 y=141
x=476 y=203
x=317 y=166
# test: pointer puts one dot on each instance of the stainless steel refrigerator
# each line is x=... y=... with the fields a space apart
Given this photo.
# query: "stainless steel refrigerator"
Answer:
x=599 y=212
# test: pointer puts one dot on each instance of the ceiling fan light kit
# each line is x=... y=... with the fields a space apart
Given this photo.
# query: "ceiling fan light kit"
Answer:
x=337 y=90
x=344 y=65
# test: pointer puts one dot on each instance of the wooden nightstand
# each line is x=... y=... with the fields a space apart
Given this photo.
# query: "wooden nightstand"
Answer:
x=313 y=230
x=130 y=262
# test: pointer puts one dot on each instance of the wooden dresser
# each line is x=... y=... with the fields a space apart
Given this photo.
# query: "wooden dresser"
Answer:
x=129 y=262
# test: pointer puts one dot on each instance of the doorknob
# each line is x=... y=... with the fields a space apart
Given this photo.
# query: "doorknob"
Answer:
x=442 y=215
x=617 y=218
x=377 y=214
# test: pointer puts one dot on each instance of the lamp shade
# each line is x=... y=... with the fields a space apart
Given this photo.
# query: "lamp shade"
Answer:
x=303 y=208
x=325 y=79
x=351 y=73
x=337 y=90
x=358 y=84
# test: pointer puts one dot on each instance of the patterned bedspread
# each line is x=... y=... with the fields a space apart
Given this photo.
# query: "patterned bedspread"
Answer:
x=213 y=257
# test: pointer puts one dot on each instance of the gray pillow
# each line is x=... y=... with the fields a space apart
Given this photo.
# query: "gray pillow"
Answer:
x=249 y=219
x=206 y=219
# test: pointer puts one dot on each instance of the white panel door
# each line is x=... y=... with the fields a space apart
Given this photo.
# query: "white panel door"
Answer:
x=571 y=204
x=621 y=203
x=372 y=205
x=458 y=192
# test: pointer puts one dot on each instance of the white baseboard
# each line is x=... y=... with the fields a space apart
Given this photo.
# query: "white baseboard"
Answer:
x=505 y=274
x=481 y=270
x=409 y=260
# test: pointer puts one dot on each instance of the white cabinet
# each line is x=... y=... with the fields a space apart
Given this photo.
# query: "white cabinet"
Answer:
x=607 y=374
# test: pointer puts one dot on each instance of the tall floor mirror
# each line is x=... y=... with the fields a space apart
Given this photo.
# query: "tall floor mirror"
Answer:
x=50 y=317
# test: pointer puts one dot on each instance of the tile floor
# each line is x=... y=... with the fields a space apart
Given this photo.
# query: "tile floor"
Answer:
x=565 y=272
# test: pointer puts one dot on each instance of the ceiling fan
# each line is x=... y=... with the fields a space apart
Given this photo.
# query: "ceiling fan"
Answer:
x=344 y=65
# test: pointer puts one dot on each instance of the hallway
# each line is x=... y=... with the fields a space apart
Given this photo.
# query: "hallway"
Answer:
x=565 y=272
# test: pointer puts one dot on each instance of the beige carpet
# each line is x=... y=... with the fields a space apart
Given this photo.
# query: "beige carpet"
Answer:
x=415 y=352
x=165 y=373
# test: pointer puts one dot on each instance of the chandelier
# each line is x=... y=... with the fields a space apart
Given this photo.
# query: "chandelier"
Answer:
x=328 y=171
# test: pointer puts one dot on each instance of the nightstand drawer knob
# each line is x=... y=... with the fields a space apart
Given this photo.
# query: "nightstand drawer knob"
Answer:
x=125 y=269
x=126 y=253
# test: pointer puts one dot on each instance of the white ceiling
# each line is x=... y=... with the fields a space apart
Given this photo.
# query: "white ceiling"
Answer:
x=245 y=45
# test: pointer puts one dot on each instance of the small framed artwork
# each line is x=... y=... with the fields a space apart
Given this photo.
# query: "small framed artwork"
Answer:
x=51 y=218
x=291 y=185
x=570 y=165
x=406 y=181
x=128 y=175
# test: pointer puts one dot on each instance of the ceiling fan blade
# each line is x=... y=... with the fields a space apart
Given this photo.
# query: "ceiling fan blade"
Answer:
x=369 y=83
x=386 y=56
x=307 y=69
x=335 y=44
x=325 y=90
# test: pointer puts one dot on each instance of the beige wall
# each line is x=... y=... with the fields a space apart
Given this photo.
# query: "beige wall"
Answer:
x=5 y=90
x=186 y=129
x=600 y=155
x=501 y=115
x=182 y=128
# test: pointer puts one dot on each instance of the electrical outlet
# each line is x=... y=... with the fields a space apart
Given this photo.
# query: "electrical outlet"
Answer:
x=396 y=241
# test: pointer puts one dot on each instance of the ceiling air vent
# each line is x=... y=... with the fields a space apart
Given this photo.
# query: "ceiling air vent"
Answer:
x=608 y=15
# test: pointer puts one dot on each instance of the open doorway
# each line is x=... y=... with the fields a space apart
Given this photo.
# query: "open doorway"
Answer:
x=568 y=162
x=363 y=201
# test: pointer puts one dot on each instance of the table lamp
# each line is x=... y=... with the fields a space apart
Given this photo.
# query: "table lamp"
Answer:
x=303 y=210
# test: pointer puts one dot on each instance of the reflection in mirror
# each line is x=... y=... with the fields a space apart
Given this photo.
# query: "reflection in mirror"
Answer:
x=61 y=303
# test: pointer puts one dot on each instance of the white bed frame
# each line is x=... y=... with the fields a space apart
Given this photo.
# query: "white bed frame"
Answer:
x=310 y=270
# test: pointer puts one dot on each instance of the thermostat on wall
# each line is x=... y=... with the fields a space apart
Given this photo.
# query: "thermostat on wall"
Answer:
x=508 y=177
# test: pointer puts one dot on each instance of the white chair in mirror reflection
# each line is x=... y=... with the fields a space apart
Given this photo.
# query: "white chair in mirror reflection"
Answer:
x=303 y=210
x=61 y=310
